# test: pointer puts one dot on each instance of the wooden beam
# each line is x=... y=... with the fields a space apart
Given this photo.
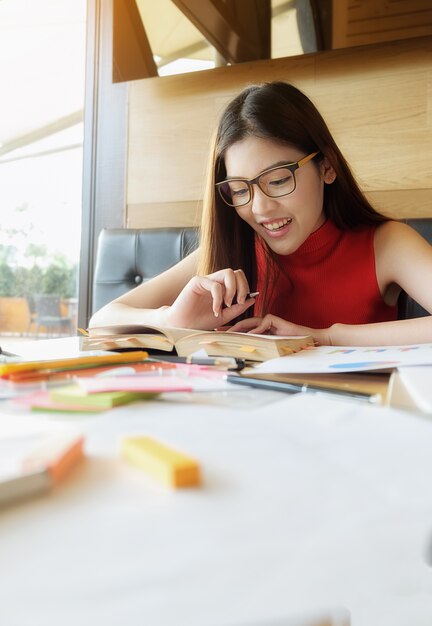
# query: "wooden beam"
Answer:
x=240 y=31
x=132 y=54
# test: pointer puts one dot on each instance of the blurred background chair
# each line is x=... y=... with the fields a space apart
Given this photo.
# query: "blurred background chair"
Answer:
x=32 y=314
x=48 y=316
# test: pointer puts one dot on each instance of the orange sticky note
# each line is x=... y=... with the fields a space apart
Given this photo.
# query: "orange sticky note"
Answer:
x=57 y=454
x=170 y=466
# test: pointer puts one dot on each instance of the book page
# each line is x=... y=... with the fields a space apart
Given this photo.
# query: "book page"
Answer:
x=121 y=330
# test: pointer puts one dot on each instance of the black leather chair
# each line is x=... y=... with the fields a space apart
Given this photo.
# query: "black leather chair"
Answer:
x=408 y=307
x=127 y=257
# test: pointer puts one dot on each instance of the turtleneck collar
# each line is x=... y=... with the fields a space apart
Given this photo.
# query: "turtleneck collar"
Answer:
x=325 y=236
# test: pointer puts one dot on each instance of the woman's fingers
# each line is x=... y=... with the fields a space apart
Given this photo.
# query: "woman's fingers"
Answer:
x=242 y=286
x=227 y=287
x=230 y=285
x=235 y=285
x=267 y=326
x=246 y=326
x=273 y=325
x=270 y=325
x=215 y=289
x=220 y=296
x=230 y=313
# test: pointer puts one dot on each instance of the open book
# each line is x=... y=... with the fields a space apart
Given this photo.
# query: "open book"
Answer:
x=186 y=341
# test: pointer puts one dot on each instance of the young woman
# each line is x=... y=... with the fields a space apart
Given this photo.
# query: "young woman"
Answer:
x=283 y=216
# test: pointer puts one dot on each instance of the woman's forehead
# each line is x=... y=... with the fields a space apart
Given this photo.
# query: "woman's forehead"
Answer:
x=253 y=154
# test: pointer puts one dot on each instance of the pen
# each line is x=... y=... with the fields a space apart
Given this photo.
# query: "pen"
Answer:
x=86 y=370
x=275 y=385
x=228 y=362
x=251 y=294
x=108 y=358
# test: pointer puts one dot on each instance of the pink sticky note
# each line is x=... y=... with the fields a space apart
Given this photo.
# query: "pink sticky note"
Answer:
x=155 y=384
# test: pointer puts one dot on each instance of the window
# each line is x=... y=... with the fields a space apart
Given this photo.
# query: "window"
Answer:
x=41 y=137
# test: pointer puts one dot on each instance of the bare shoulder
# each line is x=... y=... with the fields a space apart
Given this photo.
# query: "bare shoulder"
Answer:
x=392 y=229
x=402 y=257
x=393 y=237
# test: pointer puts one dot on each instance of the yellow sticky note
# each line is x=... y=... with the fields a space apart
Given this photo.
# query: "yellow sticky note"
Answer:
x=170 y=466
x=249 y=349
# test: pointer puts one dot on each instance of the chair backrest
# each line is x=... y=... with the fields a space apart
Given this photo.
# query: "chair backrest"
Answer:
x=126 y=257
x=408 y=307
x=47 y=305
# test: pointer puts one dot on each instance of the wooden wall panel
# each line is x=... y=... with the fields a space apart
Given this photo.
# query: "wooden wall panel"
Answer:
x=376 y=100
x=361 y=22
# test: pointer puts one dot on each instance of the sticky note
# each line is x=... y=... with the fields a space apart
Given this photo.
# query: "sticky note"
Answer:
x=170 y=466
x=57 y=454
x=77 y=396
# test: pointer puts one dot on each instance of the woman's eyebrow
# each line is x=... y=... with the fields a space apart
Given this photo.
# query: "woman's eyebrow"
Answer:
x=269 y=167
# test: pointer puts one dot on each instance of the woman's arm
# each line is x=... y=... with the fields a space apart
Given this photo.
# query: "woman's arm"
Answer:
x=178 y=297
x=378 y=334
x=149 y=302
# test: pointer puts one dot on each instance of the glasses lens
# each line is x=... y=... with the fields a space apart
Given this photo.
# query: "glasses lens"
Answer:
x=235 y=192
x=279 y=182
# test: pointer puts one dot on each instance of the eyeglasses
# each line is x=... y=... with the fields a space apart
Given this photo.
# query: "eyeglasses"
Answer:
x=275 y=182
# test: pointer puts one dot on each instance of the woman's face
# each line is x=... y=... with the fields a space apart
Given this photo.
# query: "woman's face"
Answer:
x=284 y=222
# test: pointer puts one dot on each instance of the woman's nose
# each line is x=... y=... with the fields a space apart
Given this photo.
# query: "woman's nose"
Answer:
x=259 y=201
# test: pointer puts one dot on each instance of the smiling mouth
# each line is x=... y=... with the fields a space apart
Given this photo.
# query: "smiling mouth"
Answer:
x=277 y=224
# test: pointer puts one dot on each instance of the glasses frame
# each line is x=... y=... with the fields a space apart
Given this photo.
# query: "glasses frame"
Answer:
x=292 y=167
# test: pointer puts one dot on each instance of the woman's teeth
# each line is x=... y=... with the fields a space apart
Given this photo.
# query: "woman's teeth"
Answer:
x=277 y=225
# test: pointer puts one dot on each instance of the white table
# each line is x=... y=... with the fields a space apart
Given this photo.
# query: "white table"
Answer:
x=307 y=505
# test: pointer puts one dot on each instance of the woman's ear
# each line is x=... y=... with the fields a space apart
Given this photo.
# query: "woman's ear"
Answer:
x=327 y=172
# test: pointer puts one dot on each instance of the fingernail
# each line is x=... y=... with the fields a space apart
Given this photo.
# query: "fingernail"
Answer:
x=216 y=314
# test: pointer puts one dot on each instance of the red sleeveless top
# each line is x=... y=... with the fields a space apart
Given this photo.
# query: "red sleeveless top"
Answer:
x=331 y=278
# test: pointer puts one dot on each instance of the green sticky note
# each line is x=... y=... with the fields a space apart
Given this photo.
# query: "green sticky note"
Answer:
x=76 y=396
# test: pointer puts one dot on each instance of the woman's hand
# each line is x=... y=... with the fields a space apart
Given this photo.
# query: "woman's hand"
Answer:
x=273 y=325
x=210 y=301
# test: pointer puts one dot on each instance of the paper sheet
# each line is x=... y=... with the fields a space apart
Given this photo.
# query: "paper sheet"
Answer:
x=337 y=359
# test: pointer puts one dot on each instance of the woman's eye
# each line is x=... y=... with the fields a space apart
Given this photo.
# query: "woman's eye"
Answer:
x=278 y=182
x=238 y=192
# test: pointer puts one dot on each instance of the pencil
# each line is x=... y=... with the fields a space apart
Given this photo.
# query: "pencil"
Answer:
x=276 y=385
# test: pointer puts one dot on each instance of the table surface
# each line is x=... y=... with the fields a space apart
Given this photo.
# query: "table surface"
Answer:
x=308 y=506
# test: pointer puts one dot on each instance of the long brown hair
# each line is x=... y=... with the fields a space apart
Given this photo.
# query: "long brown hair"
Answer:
x=281 y=112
